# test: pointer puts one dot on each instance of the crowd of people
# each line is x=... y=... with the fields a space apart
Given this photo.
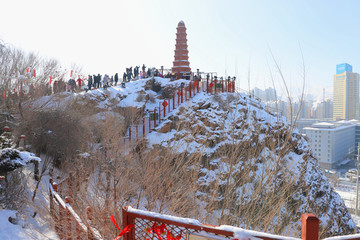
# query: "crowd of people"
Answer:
x=98 y=81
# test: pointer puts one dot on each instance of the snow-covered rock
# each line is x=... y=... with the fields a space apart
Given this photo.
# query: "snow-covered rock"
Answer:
x=11 y=159
x=259 y=161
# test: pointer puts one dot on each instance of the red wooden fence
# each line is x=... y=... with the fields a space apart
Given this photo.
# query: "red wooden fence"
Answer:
x=182 y=94
x=143 y=221
x=68 y=224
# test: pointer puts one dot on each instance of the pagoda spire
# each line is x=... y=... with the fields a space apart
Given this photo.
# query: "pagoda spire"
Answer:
x=181 y=63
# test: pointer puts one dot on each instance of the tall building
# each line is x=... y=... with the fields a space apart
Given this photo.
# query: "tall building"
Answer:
x=346 y=93
x=324 y=109
x=331 y=143
x=181 y=63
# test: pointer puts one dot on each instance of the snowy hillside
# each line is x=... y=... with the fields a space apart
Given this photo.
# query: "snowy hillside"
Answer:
x=253 y=170
x=271 y=160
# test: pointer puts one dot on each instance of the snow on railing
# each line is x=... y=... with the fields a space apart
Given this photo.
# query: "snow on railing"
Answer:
x=148 y=224
x=68 y=224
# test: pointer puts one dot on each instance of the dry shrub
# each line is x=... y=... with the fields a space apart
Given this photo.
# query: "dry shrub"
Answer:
x=58 y=133
x=140 y=97
x=218 y=98
x=12 y=190
x=152 y=98
x=153 y=85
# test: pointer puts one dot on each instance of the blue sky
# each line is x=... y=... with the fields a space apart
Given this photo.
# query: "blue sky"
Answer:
x=229 y=36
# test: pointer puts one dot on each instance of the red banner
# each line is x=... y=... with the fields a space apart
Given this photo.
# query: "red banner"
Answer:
x=165 y=103
x=125 y=230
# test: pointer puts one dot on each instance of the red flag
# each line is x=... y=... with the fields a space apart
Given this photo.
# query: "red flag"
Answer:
x=50 y=79
x=34 y=73
x=165 y=103
x=71 y=73
x=125 y=230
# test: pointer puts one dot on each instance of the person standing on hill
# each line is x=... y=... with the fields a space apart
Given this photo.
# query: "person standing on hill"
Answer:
x=129 y=75
x=116 y=78
x=79 y=81
x=111 y=80
x=90 y=82
x=98 y=80
x=94 y=81
x=124 y=77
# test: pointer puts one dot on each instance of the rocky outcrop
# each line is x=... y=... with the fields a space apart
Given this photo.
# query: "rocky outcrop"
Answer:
x=258 y=173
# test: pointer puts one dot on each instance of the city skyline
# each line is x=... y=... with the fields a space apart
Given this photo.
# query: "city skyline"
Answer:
x=232 y=37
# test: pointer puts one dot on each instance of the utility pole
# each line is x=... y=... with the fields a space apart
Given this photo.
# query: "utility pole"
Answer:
x=357 y=180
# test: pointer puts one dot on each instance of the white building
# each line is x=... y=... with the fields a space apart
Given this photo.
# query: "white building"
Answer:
x=331 y=143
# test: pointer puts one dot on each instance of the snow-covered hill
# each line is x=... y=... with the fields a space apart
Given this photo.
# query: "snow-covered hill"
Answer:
x=255 y=170
x=256 y=159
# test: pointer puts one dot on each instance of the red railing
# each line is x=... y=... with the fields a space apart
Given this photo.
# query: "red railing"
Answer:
x=179 y=96
x=144 y=221
x=68 y=224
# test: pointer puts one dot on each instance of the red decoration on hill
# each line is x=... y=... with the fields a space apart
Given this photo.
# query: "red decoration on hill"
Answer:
x=122 y=232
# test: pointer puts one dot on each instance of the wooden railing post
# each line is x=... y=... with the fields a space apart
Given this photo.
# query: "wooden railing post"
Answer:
x=215 y=85
x=90 y=235
x=190 y=89
x=150 y=121
x=154 y=117
x=68 y=233
x=143 y=127
x=159 y=112
x=207 y=85
x=130 y=134
x=137 y=131
x=52 y=209
x=169 y=101
x=126 y=220
x=182 y=90
x=309 y=227
x=70 y=185
x=174 y=101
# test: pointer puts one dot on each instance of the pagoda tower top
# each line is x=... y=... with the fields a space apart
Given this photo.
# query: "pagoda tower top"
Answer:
x=181 y=64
